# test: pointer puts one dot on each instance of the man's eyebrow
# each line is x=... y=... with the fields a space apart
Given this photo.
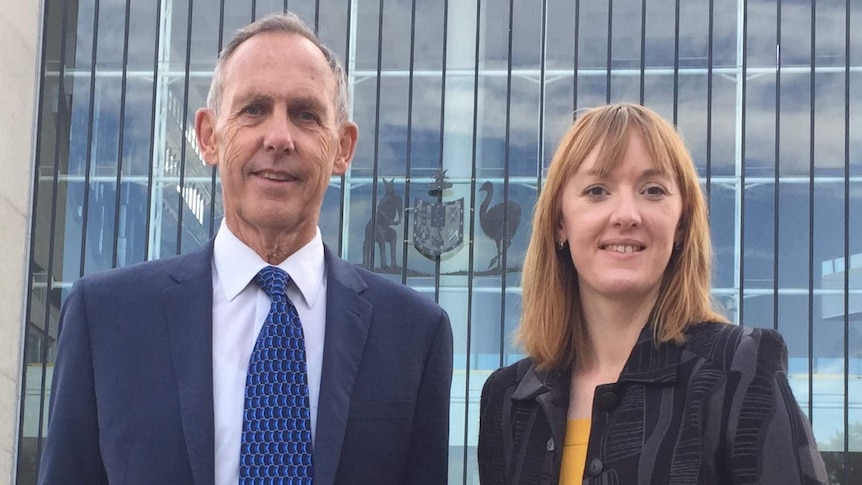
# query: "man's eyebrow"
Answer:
x=251 y=97
x=307 y=102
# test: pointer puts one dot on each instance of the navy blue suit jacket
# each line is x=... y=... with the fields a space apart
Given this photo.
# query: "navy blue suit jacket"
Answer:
x=132 y=395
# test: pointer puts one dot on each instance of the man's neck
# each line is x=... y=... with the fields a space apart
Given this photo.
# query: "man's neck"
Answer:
x=272 y=246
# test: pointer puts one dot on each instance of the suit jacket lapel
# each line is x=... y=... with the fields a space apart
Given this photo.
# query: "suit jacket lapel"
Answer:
x=188 y=308
x=348 y=317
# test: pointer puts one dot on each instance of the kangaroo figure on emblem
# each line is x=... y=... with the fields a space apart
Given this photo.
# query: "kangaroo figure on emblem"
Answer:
x=379 y=230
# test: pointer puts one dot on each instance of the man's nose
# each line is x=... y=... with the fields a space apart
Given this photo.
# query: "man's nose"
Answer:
x=626 y=211
x=279 y=135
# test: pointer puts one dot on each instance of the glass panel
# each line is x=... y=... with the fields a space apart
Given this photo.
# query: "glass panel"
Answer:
x=593 y=37
x=692 y=117
x=760 y=128
x=333 y=27
x=526 y=35
x=725 y=124
x=761 y=42
x=561 y=31
x=722 y=226
x=829 y=125
x=758 y=309
x=793 y=234
x=368 y=18
x=758 y=248
x=855 y=87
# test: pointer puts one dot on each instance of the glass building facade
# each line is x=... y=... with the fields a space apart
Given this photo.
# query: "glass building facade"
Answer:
x=768 y=95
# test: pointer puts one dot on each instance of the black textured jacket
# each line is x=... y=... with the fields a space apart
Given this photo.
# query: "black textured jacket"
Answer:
x=715 y=410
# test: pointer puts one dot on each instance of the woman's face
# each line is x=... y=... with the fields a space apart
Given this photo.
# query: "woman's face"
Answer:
x=621 y=228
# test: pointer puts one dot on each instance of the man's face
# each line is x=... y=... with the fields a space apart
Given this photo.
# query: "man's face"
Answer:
x=276 y=139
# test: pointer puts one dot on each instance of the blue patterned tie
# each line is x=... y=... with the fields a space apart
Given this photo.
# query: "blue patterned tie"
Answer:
x=276 y=426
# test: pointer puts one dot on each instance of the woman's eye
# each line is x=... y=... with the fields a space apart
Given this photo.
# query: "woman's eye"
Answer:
x=655 y=190
x=596 y=191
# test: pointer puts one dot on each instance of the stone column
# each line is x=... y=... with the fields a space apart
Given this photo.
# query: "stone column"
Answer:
x=19 y=56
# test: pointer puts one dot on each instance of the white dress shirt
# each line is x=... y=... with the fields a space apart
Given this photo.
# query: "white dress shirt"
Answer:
x=239 y=310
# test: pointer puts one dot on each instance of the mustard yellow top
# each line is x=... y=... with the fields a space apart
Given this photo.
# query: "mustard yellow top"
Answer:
x=575 y=451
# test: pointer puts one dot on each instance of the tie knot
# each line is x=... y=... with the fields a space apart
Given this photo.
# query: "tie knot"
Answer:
x=273 y=281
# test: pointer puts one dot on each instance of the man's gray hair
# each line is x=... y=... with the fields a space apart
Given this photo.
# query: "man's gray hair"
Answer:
x=284 y=23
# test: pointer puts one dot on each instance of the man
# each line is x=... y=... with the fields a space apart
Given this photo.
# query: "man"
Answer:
x=159 y=364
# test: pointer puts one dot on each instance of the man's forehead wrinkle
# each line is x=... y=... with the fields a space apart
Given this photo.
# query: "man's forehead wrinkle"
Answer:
x=316 y=73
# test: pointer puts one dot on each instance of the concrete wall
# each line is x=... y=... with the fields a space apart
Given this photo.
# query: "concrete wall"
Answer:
x=19 y=54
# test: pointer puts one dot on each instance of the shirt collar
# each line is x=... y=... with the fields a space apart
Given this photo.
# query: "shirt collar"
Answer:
x=237 y=264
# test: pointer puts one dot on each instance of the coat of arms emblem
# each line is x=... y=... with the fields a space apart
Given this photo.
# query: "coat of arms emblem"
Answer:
x=438 y=227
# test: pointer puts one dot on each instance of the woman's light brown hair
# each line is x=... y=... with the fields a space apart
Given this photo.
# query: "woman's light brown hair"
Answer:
x=552 y=330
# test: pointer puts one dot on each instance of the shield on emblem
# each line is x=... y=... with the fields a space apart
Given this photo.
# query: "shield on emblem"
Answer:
x=438 y=227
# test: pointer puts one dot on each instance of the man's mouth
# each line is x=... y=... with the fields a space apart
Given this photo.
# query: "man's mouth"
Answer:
x=276 y=176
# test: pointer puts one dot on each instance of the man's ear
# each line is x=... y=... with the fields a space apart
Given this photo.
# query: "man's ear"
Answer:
x=205 y=123
x=348 y=134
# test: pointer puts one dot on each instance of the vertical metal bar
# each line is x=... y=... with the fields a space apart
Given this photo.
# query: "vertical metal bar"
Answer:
x=371 y=239
x=847 y=135
x=437 y=260
x=610 y=51
x=643 y=52
x=739 y=250
x=32 y=249
x=503 y=249
x=676 y=64
x=85 y=211
x=375 y=167
x=776 y=202
x=709 y=64
x=213 y=170
x=343 y=177
x=52 y=236
x=405 y=246
x=121 y=133
x=471 y=256
x=150 y=168
x=316 y=15
x=575 y=57
x=253 y=10
x=542 y=80
x=182 y=183
x=846 y=454
x=811 y=122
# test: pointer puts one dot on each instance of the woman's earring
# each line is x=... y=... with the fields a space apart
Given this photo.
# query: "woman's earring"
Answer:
x=560 y=245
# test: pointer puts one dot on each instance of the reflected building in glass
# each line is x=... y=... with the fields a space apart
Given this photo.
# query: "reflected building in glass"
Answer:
x=460 y=105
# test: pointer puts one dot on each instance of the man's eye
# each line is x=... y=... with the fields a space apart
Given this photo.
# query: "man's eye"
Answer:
x=307 y=116
x=253 y=110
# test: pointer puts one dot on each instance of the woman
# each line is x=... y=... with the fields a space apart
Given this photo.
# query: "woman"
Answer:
x=632 y=377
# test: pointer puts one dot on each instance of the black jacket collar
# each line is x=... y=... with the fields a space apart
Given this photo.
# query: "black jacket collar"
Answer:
x=647 y=363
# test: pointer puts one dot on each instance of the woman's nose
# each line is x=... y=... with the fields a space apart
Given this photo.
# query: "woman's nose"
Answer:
x=626 y=212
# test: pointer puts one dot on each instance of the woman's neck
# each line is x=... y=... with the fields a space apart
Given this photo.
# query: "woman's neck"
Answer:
x=613 y=327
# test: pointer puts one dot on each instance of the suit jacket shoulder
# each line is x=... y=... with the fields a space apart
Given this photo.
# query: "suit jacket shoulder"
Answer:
x=133 y=377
